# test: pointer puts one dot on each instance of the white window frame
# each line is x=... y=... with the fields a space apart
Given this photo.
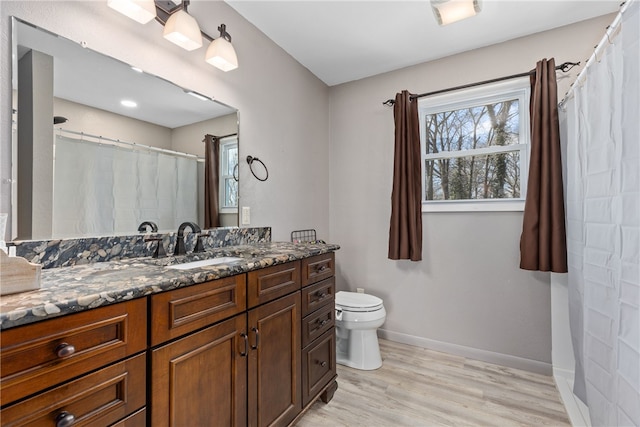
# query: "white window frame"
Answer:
x=225 y=144
x=480 y=95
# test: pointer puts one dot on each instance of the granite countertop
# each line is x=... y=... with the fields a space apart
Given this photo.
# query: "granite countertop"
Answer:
x=68 y=290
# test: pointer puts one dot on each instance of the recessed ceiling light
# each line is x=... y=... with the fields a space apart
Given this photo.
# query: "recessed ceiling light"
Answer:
x=136 y=69
x=129 y=103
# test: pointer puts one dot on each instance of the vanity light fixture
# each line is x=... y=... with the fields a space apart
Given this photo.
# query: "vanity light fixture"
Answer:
x=448 y=11
x=141 y=11
x=181 y=28
x=221 y=53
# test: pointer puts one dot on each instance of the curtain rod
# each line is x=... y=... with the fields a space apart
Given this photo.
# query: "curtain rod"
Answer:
x=132 y=145
x=610 y=33
x=564 y=67
x=223 y=136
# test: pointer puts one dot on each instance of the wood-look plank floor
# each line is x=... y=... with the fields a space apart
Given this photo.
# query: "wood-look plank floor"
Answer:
x=420 y=387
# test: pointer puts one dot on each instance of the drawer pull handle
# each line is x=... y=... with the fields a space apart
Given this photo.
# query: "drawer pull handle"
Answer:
x=245 y=338
x=65 y=419
x=321 y=295
x=321 y=269
x=65 y=350
x=320 y=323
x=257 y=334
x=323 y=364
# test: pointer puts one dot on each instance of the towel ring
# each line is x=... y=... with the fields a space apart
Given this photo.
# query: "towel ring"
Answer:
x=250 y=160
x=236 y=176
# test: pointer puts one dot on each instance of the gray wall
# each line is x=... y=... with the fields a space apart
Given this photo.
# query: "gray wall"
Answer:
x=468 y=295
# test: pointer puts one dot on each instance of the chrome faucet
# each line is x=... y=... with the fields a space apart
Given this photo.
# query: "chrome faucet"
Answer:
x=180 y=247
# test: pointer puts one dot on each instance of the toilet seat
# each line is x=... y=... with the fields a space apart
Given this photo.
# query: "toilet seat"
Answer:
x=358 y=302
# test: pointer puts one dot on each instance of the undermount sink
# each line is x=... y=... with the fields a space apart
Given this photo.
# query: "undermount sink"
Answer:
x=205 y=263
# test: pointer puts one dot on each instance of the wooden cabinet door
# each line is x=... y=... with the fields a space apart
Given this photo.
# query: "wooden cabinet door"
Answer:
x=318 y=365
x=274 y=362
x=201 y=379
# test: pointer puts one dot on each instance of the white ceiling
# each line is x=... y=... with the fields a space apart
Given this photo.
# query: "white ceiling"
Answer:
x=341 y=41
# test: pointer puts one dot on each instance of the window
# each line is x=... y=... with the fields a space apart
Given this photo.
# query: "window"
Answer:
x=475 y=148
x=229 y=174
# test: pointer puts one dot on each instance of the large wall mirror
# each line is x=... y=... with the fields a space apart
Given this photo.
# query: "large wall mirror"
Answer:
x=101 y=147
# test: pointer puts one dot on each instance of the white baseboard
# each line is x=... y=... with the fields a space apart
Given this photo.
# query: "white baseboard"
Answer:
x=470 y=352
x=576 y=409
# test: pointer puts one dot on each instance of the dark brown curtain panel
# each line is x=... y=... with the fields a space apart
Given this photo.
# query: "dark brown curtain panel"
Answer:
x=543 y=240
x=405 y=229
x=211 y=181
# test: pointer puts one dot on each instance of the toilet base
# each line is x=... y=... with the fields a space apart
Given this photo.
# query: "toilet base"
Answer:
x=358 y=349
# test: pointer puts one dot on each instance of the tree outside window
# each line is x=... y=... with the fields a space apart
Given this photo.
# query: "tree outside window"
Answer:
x=474 y=148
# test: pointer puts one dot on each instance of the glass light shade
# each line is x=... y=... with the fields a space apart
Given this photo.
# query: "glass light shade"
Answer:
x=448 y=11
x=141 y=11
x=183 y=30
x=222 y=55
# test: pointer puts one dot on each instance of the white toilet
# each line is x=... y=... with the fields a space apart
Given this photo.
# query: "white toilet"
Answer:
x=358 y=316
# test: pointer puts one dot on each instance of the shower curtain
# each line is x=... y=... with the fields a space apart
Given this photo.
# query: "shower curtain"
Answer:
x=602 y=120
x=101 y=189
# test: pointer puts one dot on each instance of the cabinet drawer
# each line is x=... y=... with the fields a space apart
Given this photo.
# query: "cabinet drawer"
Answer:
x=317 y=323
x=100 y=398
x=318 y=268
x=272 y=283
x=318 y=365
x=33 y=356
x=318 y=295
x=184 y=310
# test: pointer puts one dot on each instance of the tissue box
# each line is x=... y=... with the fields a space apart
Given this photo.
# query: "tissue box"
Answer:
x=18 y=275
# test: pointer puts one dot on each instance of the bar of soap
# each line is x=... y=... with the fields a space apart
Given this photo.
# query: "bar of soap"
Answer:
x=18 y=275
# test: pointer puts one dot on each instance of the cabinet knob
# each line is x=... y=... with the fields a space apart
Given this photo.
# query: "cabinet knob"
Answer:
x=323 y=364
x=321 y=268
x=65 y=350
x=321 y=295
x=65 y=419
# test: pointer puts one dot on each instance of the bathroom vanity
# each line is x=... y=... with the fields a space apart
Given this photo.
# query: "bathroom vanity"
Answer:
x=250 y=341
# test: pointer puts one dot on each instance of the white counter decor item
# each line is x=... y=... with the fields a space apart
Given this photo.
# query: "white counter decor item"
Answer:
x=18 y=275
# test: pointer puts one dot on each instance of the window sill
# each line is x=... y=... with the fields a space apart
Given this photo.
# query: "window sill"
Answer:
x=516 y=205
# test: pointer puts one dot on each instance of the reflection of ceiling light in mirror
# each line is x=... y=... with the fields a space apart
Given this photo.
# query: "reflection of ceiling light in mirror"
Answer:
x=183 y=30
x=128 y=103
x=141 y=11
x=448 y=11
x=197 y=95
x=221 y=53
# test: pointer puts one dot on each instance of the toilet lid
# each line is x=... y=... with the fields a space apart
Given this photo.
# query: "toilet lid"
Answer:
x=357 y=301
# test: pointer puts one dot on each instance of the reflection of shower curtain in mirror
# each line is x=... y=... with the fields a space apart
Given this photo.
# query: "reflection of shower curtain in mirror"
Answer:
x=104 y=189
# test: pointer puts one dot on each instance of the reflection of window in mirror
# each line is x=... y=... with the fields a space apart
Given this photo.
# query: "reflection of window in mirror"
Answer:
x=229 y=174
